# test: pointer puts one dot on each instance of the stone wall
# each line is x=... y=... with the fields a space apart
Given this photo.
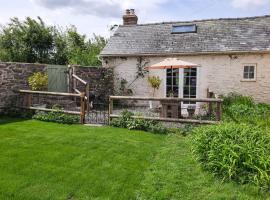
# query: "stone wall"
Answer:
x=14 y=76
x=100 y=80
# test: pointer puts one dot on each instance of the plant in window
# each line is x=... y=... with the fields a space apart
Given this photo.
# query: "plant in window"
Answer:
x=38 y=81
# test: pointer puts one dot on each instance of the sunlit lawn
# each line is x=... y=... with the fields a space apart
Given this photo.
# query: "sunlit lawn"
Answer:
x=50 y=161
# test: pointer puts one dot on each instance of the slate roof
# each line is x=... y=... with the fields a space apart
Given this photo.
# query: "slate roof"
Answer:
x=214 y=35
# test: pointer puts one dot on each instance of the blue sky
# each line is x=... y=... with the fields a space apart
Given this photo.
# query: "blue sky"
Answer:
x=95 y=16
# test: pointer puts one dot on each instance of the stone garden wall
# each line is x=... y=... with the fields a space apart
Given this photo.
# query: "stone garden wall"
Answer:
x=14 y=76
x=100 y=80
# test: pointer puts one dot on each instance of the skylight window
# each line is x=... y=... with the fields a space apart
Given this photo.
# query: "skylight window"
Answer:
x=184 y=29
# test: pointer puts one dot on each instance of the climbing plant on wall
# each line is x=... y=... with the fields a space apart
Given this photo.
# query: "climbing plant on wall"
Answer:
x=141 y=67
x=142 y=71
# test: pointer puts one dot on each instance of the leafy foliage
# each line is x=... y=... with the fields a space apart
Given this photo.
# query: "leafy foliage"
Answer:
x=33 y=41
x=56 y=116
x=126 y=121
x=82 y=51
x=38 y=81
x=155 y=82
x=235 y=152
x=28 y=41
x=234 y=98
x=241 y=109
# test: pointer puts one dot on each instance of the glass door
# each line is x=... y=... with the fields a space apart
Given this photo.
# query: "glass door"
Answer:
x=172 y=83
x=190 y=84
x=182 y=83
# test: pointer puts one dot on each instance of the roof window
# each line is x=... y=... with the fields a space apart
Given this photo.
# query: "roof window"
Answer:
x=184 y=29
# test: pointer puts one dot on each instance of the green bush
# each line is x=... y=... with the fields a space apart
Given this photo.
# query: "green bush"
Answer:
x=234 y=98
x=126 y=121
x=38 y=81
x=56 y=116
x=240 y=109
x=236 y=152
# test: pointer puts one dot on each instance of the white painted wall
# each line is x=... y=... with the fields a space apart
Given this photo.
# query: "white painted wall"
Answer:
x=220 y=73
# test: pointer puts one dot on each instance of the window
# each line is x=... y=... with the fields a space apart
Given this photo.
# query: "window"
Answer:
x=249 y=72
x=190 y=84
x=172 y=83
x=184 y=29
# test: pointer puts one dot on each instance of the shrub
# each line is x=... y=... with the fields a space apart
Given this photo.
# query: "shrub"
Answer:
x=243 y=109
x=234 y=98
x=126 y=121
x=56 y=116
x=235 y=152
x=38 y=81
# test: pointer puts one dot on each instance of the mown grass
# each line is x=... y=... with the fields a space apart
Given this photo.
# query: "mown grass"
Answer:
x=175 y=174
x=41 y=160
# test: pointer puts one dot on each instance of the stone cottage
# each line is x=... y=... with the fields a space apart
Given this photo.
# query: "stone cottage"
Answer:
x=233 y=55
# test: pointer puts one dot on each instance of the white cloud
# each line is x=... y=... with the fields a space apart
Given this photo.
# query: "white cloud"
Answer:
x=101 y=8
x=105 y=8
x=249 y=3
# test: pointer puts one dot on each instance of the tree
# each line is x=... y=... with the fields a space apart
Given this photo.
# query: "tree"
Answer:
x=154 y=82
x=28 y=41
x=33 y=41
x=82 y=51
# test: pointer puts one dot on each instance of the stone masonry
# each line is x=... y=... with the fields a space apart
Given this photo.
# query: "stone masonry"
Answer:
x=100 y=79
x=14 y=76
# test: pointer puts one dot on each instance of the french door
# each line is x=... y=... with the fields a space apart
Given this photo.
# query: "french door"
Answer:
x=182 y=83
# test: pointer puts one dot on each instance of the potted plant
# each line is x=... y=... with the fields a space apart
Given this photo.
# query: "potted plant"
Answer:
x=154 y=82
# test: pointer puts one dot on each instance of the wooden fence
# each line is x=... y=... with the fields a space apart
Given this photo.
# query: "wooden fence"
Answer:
x=77 y=80
x=214 y=108
x=28 y=95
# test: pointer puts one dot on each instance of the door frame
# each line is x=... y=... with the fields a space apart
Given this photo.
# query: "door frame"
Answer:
x=181 y=84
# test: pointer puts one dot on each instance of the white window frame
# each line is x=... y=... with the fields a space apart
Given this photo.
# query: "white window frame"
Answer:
x=181 y=84
x=181 y=87
x=255 y=72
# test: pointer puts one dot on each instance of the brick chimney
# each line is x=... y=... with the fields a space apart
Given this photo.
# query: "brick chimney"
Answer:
x=130 y=18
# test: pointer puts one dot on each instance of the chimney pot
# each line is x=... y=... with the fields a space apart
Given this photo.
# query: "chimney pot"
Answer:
x=130 y=18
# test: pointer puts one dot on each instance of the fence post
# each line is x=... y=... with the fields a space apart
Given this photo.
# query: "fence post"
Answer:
x=28 y=100
x=87 y=89
x=218 y=112
x=210 y=107
x=82 y=114
x=110 y=109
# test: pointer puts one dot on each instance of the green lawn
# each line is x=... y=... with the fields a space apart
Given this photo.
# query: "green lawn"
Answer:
x=50 y=161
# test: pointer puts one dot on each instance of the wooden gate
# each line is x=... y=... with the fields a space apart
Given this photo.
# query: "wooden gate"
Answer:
x=57 y=78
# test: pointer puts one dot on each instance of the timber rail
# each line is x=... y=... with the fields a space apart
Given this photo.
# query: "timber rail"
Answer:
x=28 y=101
x=210 y=102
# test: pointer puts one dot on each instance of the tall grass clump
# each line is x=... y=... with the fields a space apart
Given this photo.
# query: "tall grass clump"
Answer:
x=234 y=98
x=237 y=152
x=244 y=109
